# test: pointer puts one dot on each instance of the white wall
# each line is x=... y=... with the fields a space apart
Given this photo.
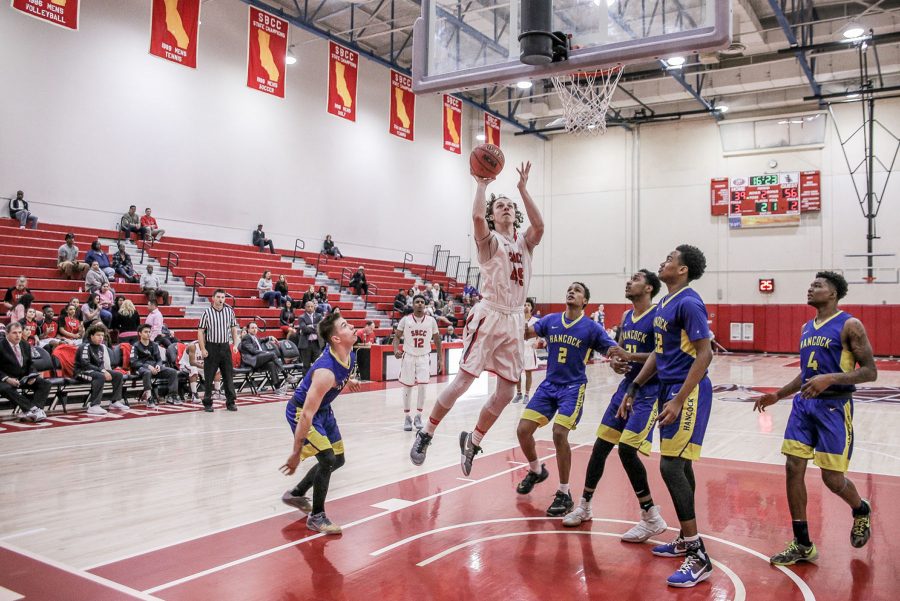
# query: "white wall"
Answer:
x=90 y=120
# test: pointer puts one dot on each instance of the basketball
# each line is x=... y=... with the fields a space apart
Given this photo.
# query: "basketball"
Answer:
x=486 y=161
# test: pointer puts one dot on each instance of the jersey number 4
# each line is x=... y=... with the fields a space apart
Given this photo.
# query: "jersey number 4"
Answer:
x=518 y=275
x=812 y=363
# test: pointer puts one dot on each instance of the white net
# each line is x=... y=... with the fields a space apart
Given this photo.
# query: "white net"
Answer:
x=585 y=98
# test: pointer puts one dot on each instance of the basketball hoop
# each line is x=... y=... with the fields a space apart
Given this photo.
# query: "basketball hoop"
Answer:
x=585 y=97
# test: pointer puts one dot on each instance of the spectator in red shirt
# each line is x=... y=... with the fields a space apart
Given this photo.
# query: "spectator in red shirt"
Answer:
x=30 y=327
x=152 y=228
x=367 y=334
x=70 y=327
x=49 y=328
x=14 y=296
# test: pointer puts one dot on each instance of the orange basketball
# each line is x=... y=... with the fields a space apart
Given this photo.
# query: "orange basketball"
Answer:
x=486 y=161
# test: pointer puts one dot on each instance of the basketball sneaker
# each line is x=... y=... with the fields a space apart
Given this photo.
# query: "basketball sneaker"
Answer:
x=417 y=421
x=695 y=568
x=674 y=549
x=651 y=524
x=301 y=503
x=96 y=410
x=319 y=522
x=530 y=479
x=420 y=446
x=120 y=405
x=794 y=553
x=517 y=398
x=525 y=399
x=468 y=449
x=578 y=516
x=862 y=528
x=562 y=504
x=407 y=423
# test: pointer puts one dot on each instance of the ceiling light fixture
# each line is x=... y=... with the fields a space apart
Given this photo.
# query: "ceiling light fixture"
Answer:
x=675 y=62
x=853 y=32
x=722 y=108
x=480 y=137
x=524 y=85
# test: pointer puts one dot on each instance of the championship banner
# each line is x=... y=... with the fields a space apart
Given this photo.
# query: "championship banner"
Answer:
x=174 y=25
x=343 y=69
x=452 y=123
x=266 y=52
x=403 y=106
x=491 y=130
x=59 y=12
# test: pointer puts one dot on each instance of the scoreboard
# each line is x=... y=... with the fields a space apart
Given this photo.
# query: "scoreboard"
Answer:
x=768 y=200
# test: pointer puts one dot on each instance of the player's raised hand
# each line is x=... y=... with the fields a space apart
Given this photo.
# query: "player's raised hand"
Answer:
x=764 y=401
x=398 y=353
x=483 y=181
x=618 y=353
x=290 y=466
x=524 y=170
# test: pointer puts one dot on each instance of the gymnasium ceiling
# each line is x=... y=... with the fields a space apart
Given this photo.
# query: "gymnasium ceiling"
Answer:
x=758 y=74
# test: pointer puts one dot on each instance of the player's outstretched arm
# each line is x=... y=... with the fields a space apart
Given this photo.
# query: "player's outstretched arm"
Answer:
x=770 y=398
x=322 y=381
x=535 y=219
x=854 y=337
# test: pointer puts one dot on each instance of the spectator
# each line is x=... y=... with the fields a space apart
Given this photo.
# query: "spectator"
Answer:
x=282 y=286
x=13 y=298
x=358 y=282
x=95 y=278
x=31 y=329
x=260 y=240
x=117 y=304
x=599 y=315
x=217 y=326
x=449 y=335
x=330 y=249
x=91 y=311
x=309 y=295
x=18 y=210
x=191 y=363
x=149 y=224
x=389 y=339
x=67 y=259
x=131 y=224
x=121 y=264
x=71 y=329
x=107 y=298
x=126 y=321
x=151 y=288
x=17 y=372
x=308 y=340
x=400 y=302
x=266 y=293
x=147 y=362
x=323 y=306
x=257 y=356
x=96 y=254
x=49 y=329
x=449 y=312
x=93 y=364
x=367 y=334
x=288 y=320
x=155 y=320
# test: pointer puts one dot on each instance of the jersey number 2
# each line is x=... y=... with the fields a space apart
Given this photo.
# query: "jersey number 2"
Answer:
x=561 y=357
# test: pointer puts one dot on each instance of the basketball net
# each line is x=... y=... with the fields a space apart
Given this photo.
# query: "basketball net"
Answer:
x=585 y=97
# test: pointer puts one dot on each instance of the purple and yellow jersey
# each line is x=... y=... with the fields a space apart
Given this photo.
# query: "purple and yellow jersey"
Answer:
x=637 y=337
x=821 y=352
x=327 y=360
x=569 y=346
x=680 y=321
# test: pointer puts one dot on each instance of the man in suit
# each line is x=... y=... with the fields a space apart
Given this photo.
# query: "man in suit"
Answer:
x=308 y=335
x=254 y=354
x=17 y=372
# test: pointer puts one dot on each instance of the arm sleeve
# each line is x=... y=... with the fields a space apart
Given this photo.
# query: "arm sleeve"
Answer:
x=693 y=318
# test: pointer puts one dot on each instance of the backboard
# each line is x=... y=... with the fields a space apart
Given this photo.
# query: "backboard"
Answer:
x=472 y=44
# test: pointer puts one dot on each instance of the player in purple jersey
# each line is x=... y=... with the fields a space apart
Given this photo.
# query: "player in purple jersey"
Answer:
x=680 y=359
x=835 y=354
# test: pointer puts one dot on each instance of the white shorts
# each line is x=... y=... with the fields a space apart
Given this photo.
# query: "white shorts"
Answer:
x=492 y=341
x=415 y=369
x=530 y=358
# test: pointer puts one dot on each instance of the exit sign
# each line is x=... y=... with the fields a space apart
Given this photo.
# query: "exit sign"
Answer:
x=767 y=285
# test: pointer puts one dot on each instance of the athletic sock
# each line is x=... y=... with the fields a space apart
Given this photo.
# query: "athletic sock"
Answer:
x=801 y=532
x=693 y=543
x=587 y=495
x=477 y=435
x=193 y=388
x=535 y=466
x=862 y=510
x=431 y=425
x=564 y=487
x=407 y=398
x=646 y=505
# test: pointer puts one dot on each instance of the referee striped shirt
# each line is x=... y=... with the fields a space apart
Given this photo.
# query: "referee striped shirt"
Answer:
x=217 y=324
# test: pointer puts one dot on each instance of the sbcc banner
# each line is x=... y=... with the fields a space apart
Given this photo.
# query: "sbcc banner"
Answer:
x=403 y=106
x=491 y=130
x=452 y=123
x=266 y=52
x=174 y=25
x=343 y=69
x=59 y=12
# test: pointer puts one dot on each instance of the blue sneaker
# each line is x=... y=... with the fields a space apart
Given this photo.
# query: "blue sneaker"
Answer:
x=695 y=568
x=674 y=549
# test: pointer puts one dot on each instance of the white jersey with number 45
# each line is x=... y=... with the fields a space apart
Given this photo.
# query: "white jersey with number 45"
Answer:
x=507 y=272
x=417 y=334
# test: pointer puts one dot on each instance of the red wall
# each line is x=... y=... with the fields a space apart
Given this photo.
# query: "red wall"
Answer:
x=776 y=328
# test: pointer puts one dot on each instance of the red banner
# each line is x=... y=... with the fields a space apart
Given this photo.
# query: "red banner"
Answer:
x=452 y=123
x=491 y=130
x=343 y=69
x=718 y=196
x=59 y=12
x=266 y=52
x=810 y=191
x=403 y=106
x=174 y=25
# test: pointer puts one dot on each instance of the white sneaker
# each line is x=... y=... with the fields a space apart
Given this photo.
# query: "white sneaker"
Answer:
x=651 y=524
x=119 y=405
x=41 y=415
x=417 y=421
x=96 y=410
x=31 y=415
x=577 y=516
x=407 y=423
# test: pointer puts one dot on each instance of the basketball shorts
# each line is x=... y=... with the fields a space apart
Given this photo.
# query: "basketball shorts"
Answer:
x=415 y=369
x=564 y=401
x=492 y=341
x=529 y=358
x=684 y=437
x=323 y=434
x=821 y=430
x=636 y=430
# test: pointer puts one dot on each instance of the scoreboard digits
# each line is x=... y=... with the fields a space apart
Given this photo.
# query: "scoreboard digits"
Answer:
x=768 y=200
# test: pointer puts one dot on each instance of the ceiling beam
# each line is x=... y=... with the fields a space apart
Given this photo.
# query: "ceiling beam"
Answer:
x=792 y=40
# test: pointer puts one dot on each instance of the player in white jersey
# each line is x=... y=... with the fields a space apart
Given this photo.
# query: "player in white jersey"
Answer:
x=417 y=329
x=492 y=338
x=529 y=357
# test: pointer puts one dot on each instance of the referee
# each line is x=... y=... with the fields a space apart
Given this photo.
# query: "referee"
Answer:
x=217 y=326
